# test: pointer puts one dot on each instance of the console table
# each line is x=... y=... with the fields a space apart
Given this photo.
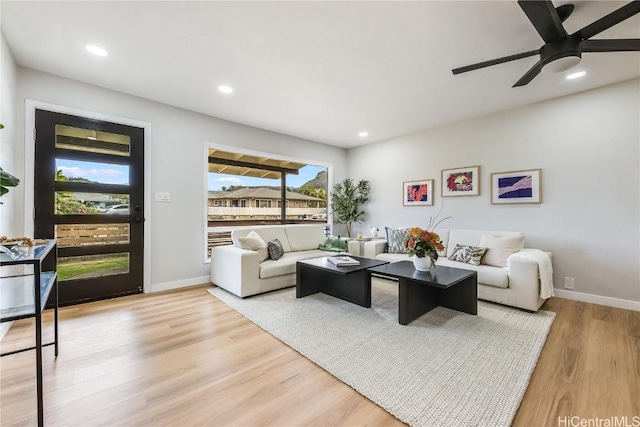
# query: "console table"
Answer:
x=25 y=295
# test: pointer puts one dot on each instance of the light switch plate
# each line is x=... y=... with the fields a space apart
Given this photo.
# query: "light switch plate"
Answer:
x=163 y=197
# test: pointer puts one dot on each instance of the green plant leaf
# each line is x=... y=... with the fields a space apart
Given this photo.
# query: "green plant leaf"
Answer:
x=8 y=180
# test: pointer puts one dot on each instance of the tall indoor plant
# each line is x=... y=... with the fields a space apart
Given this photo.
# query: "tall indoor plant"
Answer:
x=348 y=200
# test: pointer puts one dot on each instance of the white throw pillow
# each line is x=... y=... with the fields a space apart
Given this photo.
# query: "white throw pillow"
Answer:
x=254 y=242
x=499 y=248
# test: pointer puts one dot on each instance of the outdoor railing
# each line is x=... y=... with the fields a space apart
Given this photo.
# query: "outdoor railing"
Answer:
x=222 y=211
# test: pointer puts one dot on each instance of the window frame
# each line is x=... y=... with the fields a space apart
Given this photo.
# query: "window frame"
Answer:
x=242 y=202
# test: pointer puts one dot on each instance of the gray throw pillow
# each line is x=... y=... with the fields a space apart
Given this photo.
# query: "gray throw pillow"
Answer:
x=395 y=240
x=275 y=249
x=467 y=254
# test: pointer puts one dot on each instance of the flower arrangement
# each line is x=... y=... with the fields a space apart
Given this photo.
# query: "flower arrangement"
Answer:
x=423 y=243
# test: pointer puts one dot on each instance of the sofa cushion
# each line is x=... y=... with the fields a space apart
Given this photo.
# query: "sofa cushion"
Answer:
x=487 y=275
x=304 y=237
x=286 y=264
x=254 y=242
x=472 y=237
x=499 y=248
x=267 y=233
x=393 y=257
x=467 y=254
x=275 y=249
x=395 y=240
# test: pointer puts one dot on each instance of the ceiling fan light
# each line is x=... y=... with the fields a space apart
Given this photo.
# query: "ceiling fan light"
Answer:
x=576 y=75
x=96 y=50
x=561 y=65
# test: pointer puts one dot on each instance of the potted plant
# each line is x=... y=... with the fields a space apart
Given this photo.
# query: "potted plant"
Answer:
x=348 y=200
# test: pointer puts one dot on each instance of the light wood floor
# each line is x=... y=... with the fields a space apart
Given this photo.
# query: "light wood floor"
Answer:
x=184 y=358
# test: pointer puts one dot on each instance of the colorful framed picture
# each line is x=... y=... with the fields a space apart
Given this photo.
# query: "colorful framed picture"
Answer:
x=418 y=193
x=463 y=181
x=516 y=187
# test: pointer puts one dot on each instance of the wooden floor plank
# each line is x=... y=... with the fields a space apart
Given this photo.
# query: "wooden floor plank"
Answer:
x=184 y=358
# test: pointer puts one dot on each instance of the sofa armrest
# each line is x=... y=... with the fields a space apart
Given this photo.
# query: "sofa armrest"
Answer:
x=234 y=269
x=525 y=278
x=373 y=248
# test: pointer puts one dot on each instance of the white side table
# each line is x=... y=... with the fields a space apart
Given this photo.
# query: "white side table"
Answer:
x=362 y=241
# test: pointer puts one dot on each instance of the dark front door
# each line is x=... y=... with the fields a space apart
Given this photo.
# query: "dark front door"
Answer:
x=89 y=195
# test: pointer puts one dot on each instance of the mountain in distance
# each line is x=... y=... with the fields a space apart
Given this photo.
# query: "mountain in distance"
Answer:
x=320 y=181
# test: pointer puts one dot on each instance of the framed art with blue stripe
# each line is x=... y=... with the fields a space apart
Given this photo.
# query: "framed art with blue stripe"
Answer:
x=516 y=187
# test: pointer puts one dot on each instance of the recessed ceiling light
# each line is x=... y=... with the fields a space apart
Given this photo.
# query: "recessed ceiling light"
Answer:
x=225 y=89
x=96 y=50
x=576 y=75
x=363 y=134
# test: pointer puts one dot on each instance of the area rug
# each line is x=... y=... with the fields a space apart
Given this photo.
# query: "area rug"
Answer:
x=445 y=368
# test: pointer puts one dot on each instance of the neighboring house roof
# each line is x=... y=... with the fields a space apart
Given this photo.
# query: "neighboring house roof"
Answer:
x=260 y=193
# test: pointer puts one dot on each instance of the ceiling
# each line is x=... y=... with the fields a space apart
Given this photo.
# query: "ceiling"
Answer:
x=317 y=70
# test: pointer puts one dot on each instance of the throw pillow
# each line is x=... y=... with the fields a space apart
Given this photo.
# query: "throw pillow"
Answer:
x=500 y=248
x=254 y=242
x=395 y=240
x=335 y=244
x=275 y=249
x=467 y=254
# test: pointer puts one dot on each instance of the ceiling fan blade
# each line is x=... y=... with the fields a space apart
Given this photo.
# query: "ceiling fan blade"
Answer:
x=615 y=17
x=545 y=19
x=610 y=45
x=494 y=62
x=529 y=75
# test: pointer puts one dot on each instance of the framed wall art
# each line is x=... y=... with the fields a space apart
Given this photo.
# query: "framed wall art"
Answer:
x=463 y=181
x=417 y=193
x=516 y=187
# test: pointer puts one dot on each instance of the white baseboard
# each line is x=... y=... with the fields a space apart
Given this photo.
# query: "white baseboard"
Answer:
x=4 y=328
x=157 y=287
x=598 y=299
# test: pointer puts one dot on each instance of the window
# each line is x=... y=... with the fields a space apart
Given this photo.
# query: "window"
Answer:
x=245 y=189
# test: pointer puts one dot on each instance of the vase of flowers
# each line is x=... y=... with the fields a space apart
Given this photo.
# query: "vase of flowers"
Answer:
x=424 y=246
x=374 y=231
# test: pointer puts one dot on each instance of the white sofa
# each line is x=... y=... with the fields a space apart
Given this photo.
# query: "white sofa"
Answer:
x=518 y=284
x=240 y=271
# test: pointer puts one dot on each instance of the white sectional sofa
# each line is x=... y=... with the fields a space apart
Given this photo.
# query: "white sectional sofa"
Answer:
x=525 y=282
x=240 y=271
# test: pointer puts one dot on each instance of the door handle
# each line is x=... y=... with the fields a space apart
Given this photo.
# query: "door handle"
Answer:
x=137 y=219
x=138 y=208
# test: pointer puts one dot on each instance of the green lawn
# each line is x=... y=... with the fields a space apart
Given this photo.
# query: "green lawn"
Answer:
x=70 y=269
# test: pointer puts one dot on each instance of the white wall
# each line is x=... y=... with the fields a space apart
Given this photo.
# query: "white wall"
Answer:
x=177 y=165
x=8 y=135
x=8 y=138
x=587 y=146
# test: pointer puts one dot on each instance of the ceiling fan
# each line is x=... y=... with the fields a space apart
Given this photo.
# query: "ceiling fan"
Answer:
x=562 y=51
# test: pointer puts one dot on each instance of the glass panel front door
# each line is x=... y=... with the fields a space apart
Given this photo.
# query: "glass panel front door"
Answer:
x=89 y=195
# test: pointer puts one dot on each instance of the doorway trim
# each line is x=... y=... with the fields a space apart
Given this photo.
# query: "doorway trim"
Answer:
x=29 y=167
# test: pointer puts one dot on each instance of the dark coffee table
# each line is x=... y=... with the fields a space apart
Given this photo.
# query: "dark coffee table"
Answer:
x=420 y=291
x=351 y=283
